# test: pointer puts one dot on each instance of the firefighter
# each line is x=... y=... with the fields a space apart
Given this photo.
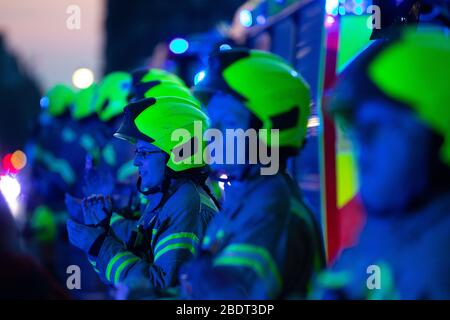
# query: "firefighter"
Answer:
x=58 y=160
x=146 y=83
x=109 y=172
x=81 y=143
x=393 y=101
x=264 y=244
x=156 y=82
x=115 y=171
x=179 y=204
x=51 y=175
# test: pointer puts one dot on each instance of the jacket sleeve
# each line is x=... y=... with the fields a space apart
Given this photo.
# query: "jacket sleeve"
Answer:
x=246 y=268
x=174 y=242
x=122 y=227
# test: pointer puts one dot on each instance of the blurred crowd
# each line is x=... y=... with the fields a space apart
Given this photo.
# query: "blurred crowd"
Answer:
x=112 y=192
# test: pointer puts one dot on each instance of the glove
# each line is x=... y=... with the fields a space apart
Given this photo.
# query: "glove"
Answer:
x=96 y=210
x=74 y=208
x=83 y=237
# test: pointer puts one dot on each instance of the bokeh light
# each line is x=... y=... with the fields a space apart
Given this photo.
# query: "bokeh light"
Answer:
x=18 y=160
x=10 y=188
x=246 y=19
x=199 y=77
x=83 y=78
x=179 y=45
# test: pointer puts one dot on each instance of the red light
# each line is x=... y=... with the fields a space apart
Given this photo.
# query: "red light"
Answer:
x=7 y=164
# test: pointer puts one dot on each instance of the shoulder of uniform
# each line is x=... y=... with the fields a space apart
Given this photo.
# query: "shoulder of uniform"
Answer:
x=271 y=187
x=272 y=192
x=185 y=198
x=187 y=189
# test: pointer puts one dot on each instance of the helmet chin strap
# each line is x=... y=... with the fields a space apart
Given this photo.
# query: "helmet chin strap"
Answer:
x=160 y=188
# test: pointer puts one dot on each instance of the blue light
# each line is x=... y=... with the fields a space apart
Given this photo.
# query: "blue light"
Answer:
x=261 y=19
x=225 y=47
x=246 y=19
x=44 y=102
x=358 y=10
x=358 y=1
x=342 y=11
x=199 y=77
x=179 y=46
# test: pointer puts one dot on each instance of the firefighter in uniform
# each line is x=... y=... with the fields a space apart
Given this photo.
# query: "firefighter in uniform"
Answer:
x=264 y=244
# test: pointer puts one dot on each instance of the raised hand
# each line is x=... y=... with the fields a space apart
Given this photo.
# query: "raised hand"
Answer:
x=96 y=209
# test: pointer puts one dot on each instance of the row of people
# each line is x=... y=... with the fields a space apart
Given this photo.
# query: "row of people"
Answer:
x=261 y=241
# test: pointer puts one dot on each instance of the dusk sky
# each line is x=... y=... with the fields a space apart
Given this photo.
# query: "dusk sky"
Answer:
x=37 y=32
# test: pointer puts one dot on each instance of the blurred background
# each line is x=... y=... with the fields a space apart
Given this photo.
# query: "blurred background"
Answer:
x=77 y=42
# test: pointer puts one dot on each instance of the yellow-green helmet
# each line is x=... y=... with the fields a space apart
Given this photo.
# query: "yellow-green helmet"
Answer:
x=168 y=89
x=144 y=80
x=270 y=88
x=84 y=103
x=156 y=119
x=113 y=94
x=145 y=75
x=411 y=70
x=59 y=99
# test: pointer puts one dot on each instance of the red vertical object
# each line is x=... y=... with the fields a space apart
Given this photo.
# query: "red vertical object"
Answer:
x=329 y=146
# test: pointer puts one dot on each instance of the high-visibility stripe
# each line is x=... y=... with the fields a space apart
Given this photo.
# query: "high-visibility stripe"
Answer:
x=122 y=266
x=227 y=261
x=179 y=235
x=240 y=262
x=154 y=232
x=113 y=261
x=115 y=218
x=299 y=210
x=261 y=261
x=92 y=262
x=94 y=265
x=247 y=248
x=208 y=202
x=334 y=279
x=206 y=241
x=175 y=246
